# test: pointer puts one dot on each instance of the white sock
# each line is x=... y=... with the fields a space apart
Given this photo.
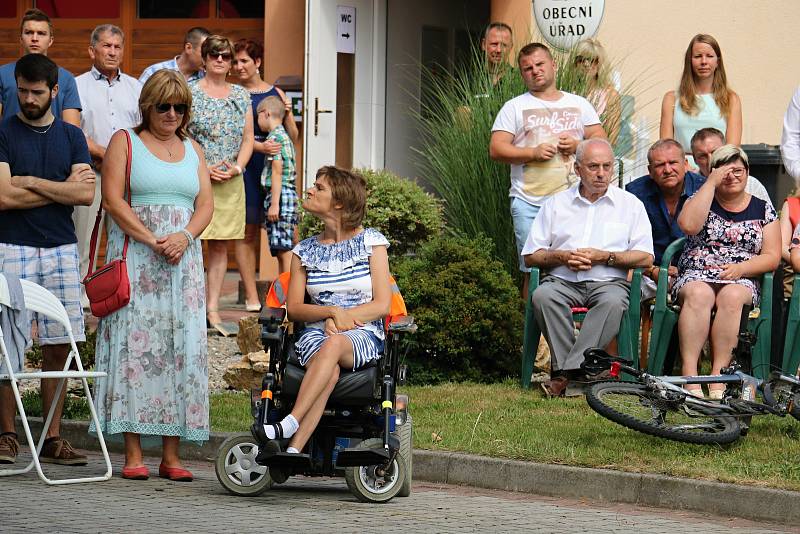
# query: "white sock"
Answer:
x=292 y=450
x=285 y=429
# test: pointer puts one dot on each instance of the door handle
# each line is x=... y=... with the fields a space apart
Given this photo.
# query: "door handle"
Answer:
x=317 y=111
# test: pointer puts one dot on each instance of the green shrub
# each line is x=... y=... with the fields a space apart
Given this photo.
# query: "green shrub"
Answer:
x=86 y=349
x=398 y=207
x=467 y=309
x=75 y=406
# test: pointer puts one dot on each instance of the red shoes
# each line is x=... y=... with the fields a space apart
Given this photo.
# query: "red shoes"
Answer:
x=176 y=474
x=136 y=473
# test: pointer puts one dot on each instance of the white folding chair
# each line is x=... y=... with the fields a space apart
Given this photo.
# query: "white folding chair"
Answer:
x=41 y=301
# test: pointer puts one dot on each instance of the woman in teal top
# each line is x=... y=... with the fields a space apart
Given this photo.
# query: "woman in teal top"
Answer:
x=154 y=349
x=703 y=99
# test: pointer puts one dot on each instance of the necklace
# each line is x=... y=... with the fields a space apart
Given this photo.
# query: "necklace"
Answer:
x=41 y=132
x=166 y=146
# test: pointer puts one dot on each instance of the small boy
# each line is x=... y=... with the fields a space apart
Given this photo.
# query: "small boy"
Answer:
x=278 y=178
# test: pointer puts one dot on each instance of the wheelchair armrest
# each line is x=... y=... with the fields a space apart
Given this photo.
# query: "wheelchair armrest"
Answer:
x=402 y=323
x=271 y=320
x=272 y=315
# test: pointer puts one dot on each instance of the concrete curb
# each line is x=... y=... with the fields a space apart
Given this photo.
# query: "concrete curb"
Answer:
x=747 y=502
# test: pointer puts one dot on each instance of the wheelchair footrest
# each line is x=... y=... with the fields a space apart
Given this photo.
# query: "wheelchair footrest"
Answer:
x=358 y=457
x=293 y=461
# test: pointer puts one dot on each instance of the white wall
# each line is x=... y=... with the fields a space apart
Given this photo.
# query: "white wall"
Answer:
x=406 y=19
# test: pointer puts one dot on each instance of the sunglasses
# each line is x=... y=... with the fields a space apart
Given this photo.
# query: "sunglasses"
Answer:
x=224 y=56
x=180 y=109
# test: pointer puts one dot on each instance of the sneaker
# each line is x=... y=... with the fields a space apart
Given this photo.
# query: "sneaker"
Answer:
x=59 y=451
x=8 y=449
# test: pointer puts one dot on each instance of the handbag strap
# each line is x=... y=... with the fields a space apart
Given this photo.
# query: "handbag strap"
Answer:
x=96 y=230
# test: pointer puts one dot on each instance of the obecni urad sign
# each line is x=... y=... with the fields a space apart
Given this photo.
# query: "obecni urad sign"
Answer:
x=565 y=22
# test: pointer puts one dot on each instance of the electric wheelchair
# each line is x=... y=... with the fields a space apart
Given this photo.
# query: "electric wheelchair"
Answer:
x=365 y=433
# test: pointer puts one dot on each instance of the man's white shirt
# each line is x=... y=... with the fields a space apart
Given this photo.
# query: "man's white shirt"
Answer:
x=107 y=107
x=615 y=222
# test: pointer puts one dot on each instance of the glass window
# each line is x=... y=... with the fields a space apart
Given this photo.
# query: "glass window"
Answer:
x=85 y=9
x=240 y=9
x=173 y=9
x=8 y=10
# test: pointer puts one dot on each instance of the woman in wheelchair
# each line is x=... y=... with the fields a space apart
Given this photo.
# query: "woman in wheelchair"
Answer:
x=732 y=238
x=345 y=272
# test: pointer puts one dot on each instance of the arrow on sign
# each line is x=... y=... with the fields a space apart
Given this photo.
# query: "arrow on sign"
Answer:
x=346 y=35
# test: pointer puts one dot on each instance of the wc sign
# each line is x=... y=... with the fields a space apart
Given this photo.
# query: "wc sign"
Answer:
x=565 y=22
x=346 y=29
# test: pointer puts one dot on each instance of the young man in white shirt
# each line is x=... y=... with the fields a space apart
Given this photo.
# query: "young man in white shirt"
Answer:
x=537 y=133
x=587 y=238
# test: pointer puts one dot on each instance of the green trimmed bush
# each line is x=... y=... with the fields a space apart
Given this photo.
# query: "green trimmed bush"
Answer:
x=467 y=309
x=398 y=207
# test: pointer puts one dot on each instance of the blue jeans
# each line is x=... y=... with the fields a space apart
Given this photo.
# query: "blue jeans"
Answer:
x=523 y=215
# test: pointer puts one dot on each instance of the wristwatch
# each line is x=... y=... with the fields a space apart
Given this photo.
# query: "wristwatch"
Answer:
x=612 y=259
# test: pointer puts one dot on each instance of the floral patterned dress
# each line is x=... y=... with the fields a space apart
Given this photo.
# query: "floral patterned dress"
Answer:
x=726 y=238
x=154 y=349
x=218 y=125
x=338 y=275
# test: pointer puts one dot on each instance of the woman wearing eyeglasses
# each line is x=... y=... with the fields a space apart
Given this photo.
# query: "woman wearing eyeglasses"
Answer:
x=222 y=122
x=154 y=349
x=732 y=239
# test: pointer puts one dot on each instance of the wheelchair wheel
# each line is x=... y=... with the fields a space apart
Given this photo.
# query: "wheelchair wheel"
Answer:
x=237 y=469
x=373 y=483
x=635 y=406
x=405 y=435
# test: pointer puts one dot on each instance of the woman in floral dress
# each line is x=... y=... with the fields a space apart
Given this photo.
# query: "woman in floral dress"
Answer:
x=732 y=239
x=345 y=271
x=222 y=122
x=154 y=349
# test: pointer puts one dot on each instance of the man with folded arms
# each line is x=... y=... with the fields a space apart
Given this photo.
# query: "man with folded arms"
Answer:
x=44 y=172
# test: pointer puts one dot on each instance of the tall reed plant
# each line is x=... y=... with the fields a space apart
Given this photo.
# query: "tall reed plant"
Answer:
x=456 y=112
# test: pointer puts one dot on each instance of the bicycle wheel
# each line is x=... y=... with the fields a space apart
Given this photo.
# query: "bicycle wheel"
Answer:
x=635 y=406
x=776 y=391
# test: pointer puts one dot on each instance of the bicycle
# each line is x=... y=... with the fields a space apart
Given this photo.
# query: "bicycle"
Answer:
x=659 y=406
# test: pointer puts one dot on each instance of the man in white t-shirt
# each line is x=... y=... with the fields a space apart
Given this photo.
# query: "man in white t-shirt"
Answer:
x=537 y=133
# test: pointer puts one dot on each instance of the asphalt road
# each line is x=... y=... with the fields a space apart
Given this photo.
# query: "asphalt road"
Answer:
x=313 y=505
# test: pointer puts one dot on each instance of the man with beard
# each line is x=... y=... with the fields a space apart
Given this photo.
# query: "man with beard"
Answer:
x=44 y=172
x=36 y=38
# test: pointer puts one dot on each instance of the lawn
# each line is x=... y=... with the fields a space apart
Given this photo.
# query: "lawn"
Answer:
x=503 y=421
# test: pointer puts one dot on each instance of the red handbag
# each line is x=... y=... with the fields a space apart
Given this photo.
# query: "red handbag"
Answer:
x=108 y=288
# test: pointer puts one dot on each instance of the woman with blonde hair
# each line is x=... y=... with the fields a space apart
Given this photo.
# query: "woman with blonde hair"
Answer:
x=703 y=98
x=154 y=349
x=732 y=238
x=590 y=57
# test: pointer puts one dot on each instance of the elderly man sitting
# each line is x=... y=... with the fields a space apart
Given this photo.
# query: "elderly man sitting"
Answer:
x=586 y=238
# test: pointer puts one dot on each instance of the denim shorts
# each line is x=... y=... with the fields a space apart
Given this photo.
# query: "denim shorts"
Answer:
x=523 y=215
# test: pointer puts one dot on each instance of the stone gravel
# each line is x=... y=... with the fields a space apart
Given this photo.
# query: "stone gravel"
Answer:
x=222 y=351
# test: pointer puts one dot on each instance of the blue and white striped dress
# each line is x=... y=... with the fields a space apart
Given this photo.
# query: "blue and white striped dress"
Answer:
x=338 y=275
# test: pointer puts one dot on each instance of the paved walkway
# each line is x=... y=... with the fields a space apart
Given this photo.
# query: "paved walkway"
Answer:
x=313 y=505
